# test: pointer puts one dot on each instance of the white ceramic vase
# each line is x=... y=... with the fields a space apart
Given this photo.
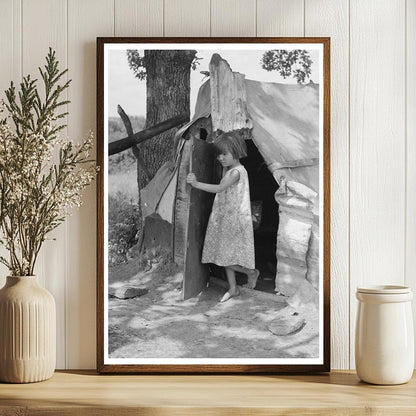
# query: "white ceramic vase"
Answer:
x=27 y=331
x=384 y=338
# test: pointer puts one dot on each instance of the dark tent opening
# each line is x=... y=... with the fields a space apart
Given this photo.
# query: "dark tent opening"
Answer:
x=203 y=134
x=265 y=212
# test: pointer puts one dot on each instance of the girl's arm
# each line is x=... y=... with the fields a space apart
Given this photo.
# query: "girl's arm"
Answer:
x=225 y=183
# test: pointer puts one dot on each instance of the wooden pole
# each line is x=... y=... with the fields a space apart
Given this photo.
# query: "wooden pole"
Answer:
x=124 y=144
x=129 y=130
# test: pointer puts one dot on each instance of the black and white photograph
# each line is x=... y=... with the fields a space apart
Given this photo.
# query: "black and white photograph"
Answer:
x=214 y=223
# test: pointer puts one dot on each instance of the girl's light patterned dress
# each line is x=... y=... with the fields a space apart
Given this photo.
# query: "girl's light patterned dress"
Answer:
x=229 y=239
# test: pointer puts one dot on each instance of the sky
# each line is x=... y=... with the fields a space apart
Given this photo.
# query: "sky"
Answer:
x=130 y=93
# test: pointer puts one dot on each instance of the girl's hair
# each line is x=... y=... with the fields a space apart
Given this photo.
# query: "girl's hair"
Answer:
x=230 y=142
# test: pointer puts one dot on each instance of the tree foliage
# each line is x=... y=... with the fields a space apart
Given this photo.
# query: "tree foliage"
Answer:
x=137 y=63
x=296 y=63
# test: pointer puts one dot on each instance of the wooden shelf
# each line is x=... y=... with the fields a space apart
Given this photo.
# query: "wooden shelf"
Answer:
x=86 y=393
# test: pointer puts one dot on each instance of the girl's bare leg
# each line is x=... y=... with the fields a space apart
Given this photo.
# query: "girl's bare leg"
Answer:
x=252 y=275
x=233 y=290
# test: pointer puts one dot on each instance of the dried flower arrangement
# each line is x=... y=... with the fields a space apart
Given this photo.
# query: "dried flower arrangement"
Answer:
x=42 y=176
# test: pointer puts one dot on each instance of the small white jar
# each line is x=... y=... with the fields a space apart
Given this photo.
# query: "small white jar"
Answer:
x=384 y=337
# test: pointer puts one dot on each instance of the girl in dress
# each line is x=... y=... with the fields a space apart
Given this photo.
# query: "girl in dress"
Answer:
x=229 y=239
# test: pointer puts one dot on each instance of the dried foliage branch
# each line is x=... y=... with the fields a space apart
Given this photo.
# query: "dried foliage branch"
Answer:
x=37 y=192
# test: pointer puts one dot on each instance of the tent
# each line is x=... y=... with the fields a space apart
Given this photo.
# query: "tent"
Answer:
x=281 y=125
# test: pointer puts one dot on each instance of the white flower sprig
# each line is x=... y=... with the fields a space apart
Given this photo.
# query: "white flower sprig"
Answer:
x=41 y=176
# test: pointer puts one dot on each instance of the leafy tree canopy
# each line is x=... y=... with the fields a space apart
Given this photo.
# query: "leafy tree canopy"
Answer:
x=296 y=63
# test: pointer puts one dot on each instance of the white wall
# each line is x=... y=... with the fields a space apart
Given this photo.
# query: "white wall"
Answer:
x=373 y=132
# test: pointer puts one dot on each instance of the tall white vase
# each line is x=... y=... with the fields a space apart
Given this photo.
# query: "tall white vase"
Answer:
x=384 y=340
x=27 y=331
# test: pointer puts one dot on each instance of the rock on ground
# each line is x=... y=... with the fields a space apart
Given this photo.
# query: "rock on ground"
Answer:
x=158 y=324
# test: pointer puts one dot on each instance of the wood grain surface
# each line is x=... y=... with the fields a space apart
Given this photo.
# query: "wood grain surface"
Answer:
x=377 y=149
x=330 y=18
x=339 y=393
x=280 y=18
x=85 y=18
x=138 y=18
x=179 y=21
x=233 y=18
x=410 y=260
x=10 y=65
x=36 y=40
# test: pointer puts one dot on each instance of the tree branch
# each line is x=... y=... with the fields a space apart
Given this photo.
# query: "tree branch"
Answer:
x=124 y=144
x=134 y=148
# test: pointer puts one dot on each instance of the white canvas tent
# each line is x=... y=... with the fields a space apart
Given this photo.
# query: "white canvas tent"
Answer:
x=282 y=120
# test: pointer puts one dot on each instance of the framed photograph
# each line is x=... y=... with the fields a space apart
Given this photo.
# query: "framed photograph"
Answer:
x=213 y=205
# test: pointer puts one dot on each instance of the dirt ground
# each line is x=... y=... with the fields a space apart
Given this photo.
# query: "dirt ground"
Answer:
x=158 y=324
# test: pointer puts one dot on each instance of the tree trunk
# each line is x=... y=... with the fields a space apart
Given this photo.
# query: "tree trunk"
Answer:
x=168 y=95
